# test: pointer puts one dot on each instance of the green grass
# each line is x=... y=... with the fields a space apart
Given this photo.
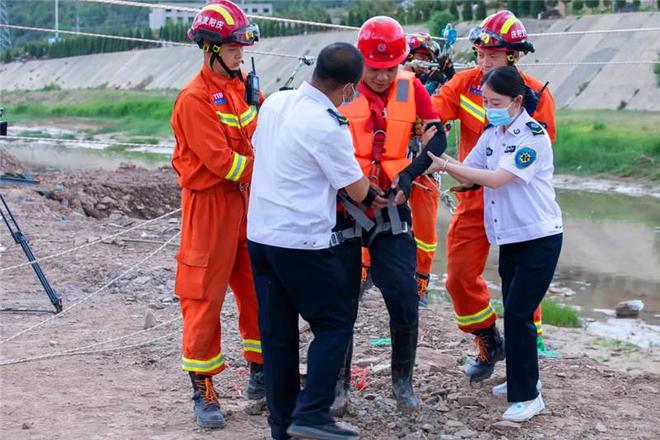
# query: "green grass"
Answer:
x=619 y=143
x=590 y=142
x=554 y=313
x=133 y=114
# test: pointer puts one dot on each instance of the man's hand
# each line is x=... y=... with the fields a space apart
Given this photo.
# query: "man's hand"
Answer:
x=375 y=198
x=402 y=184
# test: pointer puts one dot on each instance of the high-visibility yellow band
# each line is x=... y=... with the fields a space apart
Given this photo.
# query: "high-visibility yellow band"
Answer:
x=237 y=167
x=539 y=327
x=248 y=116
x=507 y=24
x=426 y=247
x=244 y=119
x=228 y=119
x=202 y=366
x=474 y=109
x=477 y=318
x=222 y=11
x=252 y=345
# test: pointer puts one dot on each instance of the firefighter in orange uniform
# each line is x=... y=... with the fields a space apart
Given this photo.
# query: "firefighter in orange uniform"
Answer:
x=425 y=196
x=213 y=125
x=497 y=42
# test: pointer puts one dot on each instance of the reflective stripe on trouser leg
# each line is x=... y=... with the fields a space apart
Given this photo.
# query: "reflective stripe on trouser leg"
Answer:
x=201 y=335
x=424 y=205
x=467 y=253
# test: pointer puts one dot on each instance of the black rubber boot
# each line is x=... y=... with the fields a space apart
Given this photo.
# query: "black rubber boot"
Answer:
x=256 y=387
x=206 y=407
x=491 y=350
x=404 y=350
x=342 y=390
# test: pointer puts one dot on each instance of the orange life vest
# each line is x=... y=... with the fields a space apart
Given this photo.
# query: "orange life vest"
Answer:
x=400 y=115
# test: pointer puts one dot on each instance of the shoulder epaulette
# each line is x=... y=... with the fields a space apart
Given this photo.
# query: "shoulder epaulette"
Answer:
x=341 y=119
x=536 y=128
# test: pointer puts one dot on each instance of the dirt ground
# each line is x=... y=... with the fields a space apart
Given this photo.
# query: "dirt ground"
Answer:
x=139 y=392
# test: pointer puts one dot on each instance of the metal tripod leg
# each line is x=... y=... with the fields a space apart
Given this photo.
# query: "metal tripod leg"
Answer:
x=21 y=239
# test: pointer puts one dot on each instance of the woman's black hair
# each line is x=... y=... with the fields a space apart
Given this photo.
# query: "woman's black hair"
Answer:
x=505 y=81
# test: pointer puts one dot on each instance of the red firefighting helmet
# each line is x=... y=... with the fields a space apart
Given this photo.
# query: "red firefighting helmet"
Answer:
x=382 y=42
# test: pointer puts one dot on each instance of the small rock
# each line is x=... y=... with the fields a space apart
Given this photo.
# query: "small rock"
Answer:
x=629 y=309
x=506 y=426
x=427 y=427
x=448 y=437
x=142 y=280
x=108 y=200
x=173 y=221
x=26 y=426
x=465 y=433
x=149 y=320
x=52 y=343
x=464 y=400
x=600 y=427
x=454 y=424
x=156 y=306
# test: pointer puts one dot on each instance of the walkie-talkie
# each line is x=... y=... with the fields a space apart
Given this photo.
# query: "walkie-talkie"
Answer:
x=252 y=96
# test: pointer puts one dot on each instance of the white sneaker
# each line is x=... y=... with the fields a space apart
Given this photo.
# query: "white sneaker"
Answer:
x=501 y=389
x=523 y=411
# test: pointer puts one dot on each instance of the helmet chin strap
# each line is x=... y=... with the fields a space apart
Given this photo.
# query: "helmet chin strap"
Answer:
x=215 y=56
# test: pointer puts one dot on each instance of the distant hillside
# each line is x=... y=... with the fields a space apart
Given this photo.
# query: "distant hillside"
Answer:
x=580 y=86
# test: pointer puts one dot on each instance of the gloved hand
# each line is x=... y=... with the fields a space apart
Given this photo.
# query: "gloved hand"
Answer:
x=375 y=198
x=447 y=67
x=402 y=185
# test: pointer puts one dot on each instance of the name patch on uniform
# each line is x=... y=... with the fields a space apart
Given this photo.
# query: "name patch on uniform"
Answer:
x=475 y=90
x=525 y=157
x=489 y=151
x=510 y=149
x=219 y=98
x=536 y=128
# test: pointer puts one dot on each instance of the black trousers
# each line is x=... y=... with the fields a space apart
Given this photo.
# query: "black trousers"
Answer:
x=311 y=283
x=526 y=269
x=393 y=266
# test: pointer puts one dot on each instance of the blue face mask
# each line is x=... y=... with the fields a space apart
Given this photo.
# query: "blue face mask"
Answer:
x=499 y=116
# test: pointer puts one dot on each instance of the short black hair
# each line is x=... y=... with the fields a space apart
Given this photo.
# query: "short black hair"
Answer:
x=505 y=81
x=339 y=64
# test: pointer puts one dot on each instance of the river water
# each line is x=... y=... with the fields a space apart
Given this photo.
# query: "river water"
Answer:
x=611 y=253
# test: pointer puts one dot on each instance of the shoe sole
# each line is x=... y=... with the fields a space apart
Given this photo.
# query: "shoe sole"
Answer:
x=313 y=434
x=219 y=425
x=525 y=419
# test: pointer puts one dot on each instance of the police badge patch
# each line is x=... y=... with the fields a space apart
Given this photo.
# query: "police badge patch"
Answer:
x=510 y=149
x=525 y=157
x=489 y=151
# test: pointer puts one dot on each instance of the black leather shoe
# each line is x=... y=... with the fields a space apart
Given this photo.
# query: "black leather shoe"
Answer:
x=330 y=431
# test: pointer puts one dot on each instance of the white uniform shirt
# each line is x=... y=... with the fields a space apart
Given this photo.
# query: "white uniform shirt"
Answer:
x=303 y=156
x=525 y=208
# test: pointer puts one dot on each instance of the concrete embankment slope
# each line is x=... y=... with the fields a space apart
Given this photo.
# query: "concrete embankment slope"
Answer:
x=592 y=86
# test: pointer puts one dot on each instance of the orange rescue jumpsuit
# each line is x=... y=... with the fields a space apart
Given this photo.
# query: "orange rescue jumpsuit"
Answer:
x=467 y=244
x=213 y=158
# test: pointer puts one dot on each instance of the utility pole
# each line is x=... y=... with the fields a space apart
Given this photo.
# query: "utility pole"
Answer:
x=5 y=40
x=57 y=20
